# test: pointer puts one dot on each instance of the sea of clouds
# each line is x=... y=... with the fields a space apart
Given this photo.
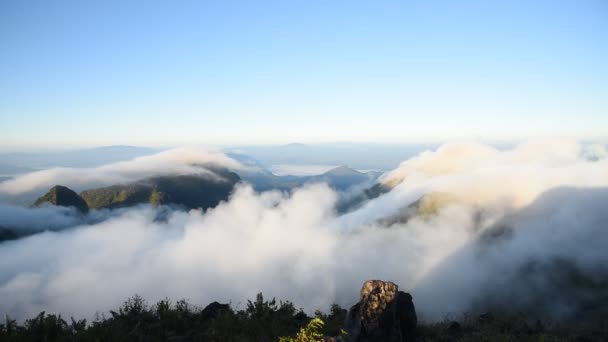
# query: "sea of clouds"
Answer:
x=524 y=229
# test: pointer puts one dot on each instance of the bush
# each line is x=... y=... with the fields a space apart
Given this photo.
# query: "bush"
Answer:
x=265 y=320
x=313 y=332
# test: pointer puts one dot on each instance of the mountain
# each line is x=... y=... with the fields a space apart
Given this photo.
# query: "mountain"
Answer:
x=340 y=178
x=63 y=196
x=189 y=191
x=358 y=200
x=425 y=207
x=343 y=177
x=7 y=234
x=248 y=161
x=297 y=145
x=260 y=177
x=343 y=171
x=360 y=156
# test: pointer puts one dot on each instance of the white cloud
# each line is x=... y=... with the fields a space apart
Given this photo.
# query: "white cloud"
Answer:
x=294 y=246
x=176 y=161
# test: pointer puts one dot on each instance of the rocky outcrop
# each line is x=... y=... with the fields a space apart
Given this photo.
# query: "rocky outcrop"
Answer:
x=63 y=196
x=383 y=313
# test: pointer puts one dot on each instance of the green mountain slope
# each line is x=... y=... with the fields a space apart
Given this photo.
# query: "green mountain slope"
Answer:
x=190 y=191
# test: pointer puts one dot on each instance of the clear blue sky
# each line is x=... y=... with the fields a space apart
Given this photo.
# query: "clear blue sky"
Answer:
x=142 y=72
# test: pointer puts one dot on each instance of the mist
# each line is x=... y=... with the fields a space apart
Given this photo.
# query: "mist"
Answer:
x=178 y=161
x=38 y=218
x=509 y=218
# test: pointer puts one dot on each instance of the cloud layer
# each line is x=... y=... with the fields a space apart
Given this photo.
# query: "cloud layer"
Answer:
x=514 y=216
x=185 y=160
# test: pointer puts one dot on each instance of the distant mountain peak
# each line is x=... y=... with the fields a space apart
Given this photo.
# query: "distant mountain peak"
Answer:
x=294 y=145
x=109 y=147
x=343 y=170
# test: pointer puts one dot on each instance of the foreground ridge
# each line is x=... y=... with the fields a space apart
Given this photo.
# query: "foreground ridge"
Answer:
x=383 y=313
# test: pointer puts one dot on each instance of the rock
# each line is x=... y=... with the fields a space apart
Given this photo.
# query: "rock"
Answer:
x=383 y=313
x=63 y=196
x=406 y=316
x=352 y=324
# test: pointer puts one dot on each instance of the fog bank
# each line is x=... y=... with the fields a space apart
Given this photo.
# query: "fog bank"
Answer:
x=511 y=217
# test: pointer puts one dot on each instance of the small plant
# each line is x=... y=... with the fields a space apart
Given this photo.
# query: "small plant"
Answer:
x=311 y=333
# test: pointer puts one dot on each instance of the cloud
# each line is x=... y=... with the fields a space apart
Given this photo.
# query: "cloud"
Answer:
x=547 y=260
x=185 y=160
x=517 y=213
x=26 y=219
x=252 y=243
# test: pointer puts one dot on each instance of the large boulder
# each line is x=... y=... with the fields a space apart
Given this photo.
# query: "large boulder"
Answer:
x=383 y=313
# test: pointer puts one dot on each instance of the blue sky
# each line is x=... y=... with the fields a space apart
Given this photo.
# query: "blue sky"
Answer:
x=84 y=73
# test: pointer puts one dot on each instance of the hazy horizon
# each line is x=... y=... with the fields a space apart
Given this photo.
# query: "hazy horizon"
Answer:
x=93 y=74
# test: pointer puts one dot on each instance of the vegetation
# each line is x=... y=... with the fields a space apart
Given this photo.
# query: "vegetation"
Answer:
x=512 y=328
x=204 y=191
x=430 y=204
x=117 y=196
x=63 y=196
x=190 y=191
x=135 y=320
x=268 y=320
x=313 y=332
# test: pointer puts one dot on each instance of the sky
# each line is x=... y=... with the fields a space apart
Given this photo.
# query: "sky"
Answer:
x=89 y=73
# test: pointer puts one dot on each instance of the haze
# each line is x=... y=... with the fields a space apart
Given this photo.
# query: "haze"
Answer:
x=76 y=74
